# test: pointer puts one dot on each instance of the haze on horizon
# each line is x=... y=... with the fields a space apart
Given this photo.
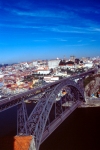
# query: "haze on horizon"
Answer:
x=46 y=29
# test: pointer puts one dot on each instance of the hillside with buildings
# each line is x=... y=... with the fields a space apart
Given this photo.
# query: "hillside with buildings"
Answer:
x=24 y=76
x=92 y=85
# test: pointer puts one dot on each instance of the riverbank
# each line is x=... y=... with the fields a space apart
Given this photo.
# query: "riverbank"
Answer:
x=90 y=102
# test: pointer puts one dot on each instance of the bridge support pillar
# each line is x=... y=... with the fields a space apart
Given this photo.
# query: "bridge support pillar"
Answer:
x=21 y=119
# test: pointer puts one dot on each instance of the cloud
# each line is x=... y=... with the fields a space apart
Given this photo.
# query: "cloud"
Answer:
x=39 y=40
x=69 y=29
x=60 y=15
x=63 y=40
x=75 y=30
x=78 y=45
x=25 y=9
x=65 y=19
x=96 y=29
x=44 y=13
x=19 y=26
x=93 y=40
x=51 y=39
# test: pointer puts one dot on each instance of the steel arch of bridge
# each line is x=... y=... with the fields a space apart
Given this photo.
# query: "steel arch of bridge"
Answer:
x=37 y=120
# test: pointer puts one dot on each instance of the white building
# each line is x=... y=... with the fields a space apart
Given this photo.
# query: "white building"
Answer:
x=35 y=63
x=61 y=74
x=1 y=75
x=49 y=79
x=53 y=63
x=88 y=65
x=24 y=64
x=43 y=71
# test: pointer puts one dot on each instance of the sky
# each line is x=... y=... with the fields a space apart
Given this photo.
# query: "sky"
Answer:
x=47 y=29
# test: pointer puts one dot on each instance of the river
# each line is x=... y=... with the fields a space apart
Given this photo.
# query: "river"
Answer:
x=80 y=131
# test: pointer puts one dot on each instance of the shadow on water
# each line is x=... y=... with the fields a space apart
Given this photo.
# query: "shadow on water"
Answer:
x=80 y=131
x=8 y=122
x=8 y=125
x=7 y=143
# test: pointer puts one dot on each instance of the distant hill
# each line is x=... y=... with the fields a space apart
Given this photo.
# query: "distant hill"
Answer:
x=4 y=65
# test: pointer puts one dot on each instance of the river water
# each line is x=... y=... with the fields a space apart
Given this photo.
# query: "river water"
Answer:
x=80 y=131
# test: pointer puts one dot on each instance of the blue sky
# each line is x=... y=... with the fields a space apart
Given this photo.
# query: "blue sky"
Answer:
x=46 y=29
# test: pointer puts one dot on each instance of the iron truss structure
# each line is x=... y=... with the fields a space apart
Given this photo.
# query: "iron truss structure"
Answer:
x=39 y=120
x=57 y=101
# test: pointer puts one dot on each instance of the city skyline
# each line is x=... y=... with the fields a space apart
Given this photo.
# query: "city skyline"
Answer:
x=48 y=29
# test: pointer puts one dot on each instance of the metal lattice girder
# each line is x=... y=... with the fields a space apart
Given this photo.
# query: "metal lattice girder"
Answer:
x=34 y=116
x=44 y=115
x=37 y=120
x=22 y=117
x=80 y=82
x=75 y=93
x=71 y=96
x=58 y=108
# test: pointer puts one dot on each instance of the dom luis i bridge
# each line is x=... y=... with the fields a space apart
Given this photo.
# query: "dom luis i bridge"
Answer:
x=58 y=99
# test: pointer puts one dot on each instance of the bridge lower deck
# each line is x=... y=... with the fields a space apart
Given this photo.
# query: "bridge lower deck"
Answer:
x=54 y=124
